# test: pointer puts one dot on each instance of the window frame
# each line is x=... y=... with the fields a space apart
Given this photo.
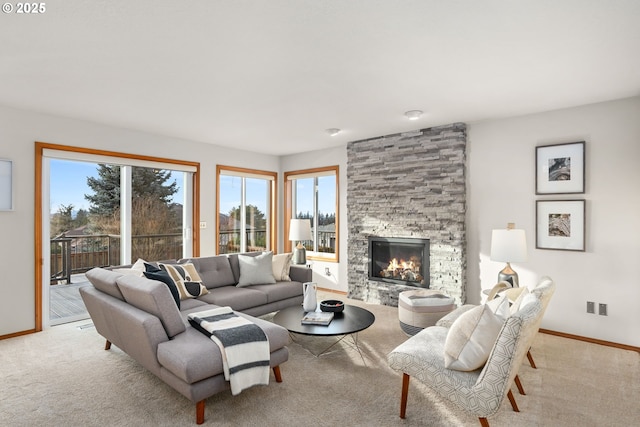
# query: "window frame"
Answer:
x=95 y=155
x=289 y=178
x=272 y=211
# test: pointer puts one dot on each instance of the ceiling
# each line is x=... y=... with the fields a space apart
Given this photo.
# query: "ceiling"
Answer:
x=270 y=76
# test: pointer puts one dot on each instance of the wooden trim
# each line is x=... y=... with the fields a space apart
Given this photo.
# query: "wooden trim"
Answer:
x=38 y=256
x=196 y=213
x=17 y=334
x=288 y=210
x=333 y=291
x=288 y=213
x=98 y=152
x=590 y=340
x=38 y=251
x=273 y=211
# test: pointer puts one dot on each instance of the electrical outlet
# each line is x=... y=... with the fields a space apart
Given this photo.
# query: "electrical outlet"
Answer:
x=591 y=307
x=602 y=309
x=327 y=272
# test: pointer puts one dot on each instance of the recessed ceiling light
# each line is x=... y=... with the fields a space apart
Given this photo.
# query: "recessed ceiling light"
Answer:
x=413 y=114
x=332 y=131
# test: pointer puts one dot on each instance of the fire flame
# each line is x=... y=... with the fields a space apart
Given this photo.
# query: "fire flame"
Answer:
x=403 y=265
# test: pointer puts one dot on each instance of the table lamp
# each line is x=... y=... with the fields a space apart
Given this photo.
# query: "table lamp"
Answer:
x=300 y=230
x=508 y=246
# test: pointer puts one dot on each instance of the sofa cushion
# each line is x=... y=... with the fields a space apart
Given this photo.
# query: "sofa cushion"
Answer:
x=215 y=271
x=279 y=291
x=153 y=297
x=105 y=281
x=281 y=265
x=186 y=278
x=154 y=273
x=190 y=303
x=256 y=270
x=471 y=338
x=236 y=298
x=191 y=356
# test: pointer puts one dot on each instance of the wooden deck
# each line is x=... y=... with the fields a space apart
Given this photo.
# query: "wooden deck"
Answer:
x=65 y=303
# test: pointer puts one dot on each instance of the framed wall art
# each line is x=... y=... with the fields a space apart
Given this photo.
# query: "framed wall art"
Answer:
x=560 y=168
x=6 y=185
x=560 y=224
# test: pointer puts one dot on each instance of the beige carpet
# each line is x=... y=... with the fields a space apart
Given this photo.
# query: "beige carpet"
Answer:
x=62 y=376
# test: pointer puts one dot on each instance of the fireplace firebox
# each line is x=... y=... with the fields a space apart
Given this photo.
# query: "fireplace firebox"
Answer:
x=399 y=260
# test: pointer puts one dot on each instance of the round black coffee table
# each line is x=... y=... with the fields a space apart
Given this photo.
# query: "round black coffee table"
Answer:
x=351 y=321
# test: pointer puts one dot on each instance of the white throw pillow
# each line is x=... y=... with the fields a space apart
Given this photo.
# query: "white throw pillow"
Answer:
x=471 y=338
x=137 y=269
x=281 y=265
x=256 y=270
x=500 y=306
x=524 y=291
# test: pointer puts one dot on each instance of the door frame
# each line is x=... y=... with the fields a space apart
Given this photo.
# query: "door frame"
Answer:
x=39 y=204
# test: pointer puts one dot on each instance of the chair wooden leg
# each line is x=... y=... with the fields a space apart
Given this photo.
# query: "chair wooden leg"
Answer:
x=484 y=422
x=531 y=362
x=200 y=412
x=405 y=393
x=519 y=385
x=513 y=401
x=277 y=373
x=107 y=345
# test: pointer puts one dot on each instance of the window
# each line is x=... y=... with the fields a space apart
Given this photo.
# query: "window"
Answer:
x=106 y=208
x=246 y=210
x=313 y=194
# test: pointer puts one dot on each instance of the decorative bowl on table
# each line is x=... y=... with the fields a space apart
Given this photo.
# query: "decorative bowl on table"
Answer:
x=332 y=305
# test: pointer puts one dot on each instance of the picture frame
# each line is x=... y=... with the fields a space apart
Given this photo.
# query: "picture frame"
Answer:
x=560 y=225
x=6 y=185
x=560 y=168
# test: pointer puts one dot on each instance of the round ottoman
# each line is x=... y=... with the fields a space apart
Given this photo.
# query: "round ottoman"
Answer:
x=422 y=308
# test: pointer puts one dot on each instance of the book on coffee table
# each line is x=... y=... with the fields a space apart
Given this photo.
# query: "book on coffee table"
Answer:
x=322 y=318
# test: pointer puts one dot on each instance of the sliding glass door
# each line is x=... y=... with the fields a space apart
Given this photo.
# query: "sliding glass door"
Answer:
x=106 y=212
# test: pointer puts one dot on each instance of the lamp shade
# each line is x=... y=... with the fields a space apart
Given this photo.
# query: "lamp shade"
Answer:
x=300 y=230
x=508 y=245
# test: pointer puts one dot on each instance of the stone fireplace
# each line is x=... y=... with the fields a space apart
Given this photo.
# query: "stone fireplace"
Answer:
x=408 y=186
x=399 y=260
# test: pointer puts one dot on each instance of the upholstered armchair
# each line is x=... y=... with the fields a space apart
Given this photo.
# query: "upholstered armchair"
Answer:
x=544 y=289
x=481 y=391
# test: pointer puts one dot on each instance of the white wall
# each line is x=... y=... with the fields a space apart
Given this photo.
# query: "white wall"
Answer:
x=337 y=280
x=18 y=132
x=501 y=189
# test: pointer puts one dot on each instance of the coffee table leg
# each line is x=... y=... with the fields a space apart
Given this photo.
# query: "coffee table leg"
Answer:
x=354 y=338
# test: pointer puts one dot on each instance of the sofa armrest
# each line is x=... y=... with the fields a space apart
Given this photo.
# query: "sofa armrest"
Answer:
x=300 y=273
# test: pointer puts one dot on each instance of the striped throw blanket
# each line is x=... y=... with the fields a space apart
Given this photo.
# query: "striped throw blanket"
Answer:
x=244 y=346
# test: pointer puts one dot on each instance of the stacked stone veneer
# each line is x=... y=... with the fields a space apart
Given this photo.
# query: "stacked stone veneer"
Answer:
x=408 y=185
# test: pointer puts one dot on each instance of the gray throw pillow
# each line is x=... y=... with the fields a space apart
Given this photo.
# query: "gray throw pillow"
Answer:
x=256 y=270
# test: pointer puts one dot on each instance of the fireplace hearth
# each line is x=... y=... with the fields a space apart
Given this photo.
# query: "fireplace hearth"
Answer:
x=399 y=260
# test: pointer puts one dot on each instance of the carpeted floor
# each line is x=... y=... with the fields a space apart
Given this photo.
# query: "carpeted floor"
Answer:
x=62 y=376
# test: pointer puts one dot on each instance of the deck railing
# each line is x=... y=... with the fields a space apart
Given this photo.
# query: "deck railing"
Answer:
x=78 y=254
x=229 y=241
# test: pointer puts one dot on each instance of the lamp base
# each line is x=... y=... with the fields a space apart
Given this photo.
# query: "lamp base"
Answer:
x=508 y=275
x=299 y=255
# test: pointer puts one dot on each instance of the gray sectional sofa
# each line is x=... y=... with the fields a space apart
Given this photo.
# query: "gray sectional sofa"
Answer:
x=141 y=317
